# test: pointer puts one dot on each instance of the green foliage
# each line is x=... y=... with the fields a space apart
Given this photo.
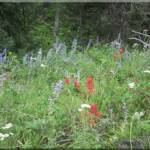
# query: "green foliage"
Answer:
x=24 y=101
x=5 y=40
x=27 y=27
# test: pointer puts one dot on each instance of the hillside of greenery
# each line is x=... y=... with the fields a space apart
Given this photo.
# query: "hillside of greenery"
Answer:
x=75 y=75
x=59 y=99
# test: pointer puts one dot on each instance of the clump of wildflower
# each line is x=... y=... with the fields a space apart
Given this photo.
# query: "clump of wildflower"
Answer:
x=93 y=114
x=94 y=111
x=77 y=84
x=135 y=45
x=39 y=56
x=40 y=51
x=3 y=136
x=83 y=106
x=57 y=90
x=3 y=55
x=121 y=50
x=67 y=80
x=43 y=66
x=131 y=85
x=146 y=71
x=1 y=58
x=138 y=115
x=67 y=77
x=6 y=135
x=90 y=84
x=7 y=126
x=33 y=58
x=58 y=87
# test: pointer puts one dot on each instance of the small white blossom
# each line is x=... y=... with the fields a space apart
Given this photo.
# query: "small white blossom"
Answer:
x=146 y=71
x=82 y=106
x=135 y=45
x=85 y=106
x=80 y=109
x=32 y=58
x=40 y=51
x=42 y=65
x=3 y=136
x=131 y=85
x=7 y=126
x=138 y=115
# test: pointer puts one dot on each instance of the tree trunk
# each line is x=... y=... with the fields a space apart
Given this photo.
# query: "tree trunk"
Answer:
x=56 y=23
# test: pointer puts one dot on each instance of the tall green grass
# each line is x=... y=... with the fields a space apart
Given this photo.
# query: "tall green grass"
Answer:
x=24 y=101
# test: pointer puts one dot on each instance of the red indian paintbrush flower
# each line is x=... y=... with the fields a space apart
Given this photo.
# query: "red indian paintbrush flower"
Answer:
x=76 y=84
x=94 y=111
x=98 y=114
x=93 y=108
x=93 y=115
x=90 y=84
x=67 y=80
x=121 y=51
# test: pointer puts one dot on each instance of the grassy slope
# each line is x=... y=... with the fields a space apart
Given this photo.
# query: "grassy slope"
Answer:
x=24 y=102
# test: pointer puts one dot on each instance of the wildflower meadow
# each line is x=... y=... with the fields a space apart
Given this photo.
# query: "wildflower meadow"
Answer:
x=99 y=99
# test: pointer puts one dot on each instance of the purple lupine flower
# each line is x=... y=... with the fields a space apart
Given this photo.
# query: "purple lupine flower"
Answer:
x=1 y=57
x=4 y=51
x=58 y=87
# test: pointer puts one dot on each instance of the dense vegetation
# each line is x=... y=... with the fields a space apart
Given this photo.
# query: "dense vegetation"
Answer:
x=29 y=26
x=43 y=101
x=65 y=84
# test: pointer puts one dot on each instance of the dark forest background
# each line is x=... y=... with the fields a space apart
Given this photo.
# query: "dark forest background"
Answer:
x=29 y=26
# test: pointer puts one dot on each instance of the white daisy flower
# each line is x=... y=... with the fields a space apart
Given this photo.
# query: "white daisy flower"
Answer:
x=146 y=71
x=7 y=126
x=42 y=65
x=40 y=51
x=80 y=109
x=138 y=115
x=135 y=45
x=85 y=106
x=3 y=136
x=131 y=85
x=32 y=58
